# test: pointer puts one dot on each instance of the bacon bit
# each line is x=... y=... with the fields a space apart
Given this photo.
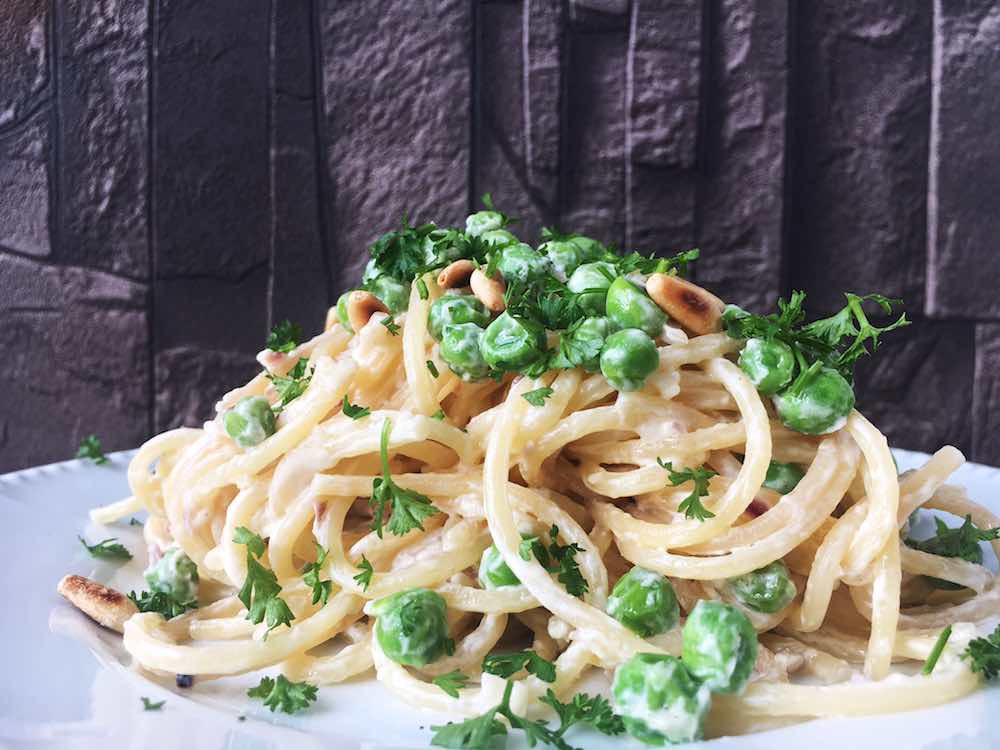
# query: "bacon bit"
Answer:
x=757 y=508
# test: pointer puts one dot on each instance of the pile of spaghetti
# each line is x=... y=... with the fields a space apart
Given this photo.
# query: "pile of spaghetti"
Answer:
x=382 y=498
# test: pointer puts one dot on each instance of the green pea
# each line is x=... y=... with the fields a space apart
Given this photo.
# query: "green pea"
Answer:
x=461 y=348
x=342 y=316
x=521 y=262
x=628 y=306
x=512 y=343
x=412 y=627
x=174 y=574
x=563 y=255
x=659 y=700
x=394 y=294
x=783 y=478
x=644 y=602
x=816 y=403
x=450 y=309
x=370 y=272
x=441 y=247
x=628 y=358
x=498 y=238
x=483 y=221
x=770 y=365
x=583 y=344
x=719 y=646
x=593 y=278
x=768 y=589
x=590 y=249
x=250 y=421
x=494 y=573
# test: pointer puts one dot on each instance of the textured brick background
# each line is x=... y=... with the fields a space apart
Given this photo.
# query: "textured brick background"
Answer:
x=175 y=175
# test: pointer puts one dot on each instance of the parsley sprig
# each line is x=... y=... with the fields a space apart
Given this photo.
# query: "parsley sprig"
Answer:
x=162 y=603
x=259 y=593
x=507 y=665
x=556 y=558
x=289 y=387
x=364 y=578
x=310 y=576
x=281 y=694
x=691 y=506
x=837 y=341
x=960 y=542
x=90 y=447
x=408 y=508
x=107 y=549
x=451 y=683
x=585 y=709
x=284 y=337
x=983 y=654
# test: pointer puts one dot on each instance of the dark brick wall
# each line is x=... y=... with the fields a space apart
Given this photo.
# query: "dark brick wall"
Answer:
x=175 y=175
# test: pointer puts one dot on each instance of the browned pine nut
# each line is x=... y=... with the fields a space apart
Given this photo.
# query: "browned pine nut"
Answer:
x=361 y=305
x=488 y=291
x=104 y=605
x=696 y=309
x=456 y=274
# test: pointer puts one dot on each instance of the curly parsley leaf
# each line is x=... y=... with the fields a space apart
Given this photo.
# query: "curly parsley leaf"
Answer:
x=691 y=506
x=90 y=447
x=281 y=694
x=585 y=709
x=451 y=683
x=636 y=263
x=107 y=549
x=289 y=387
x=556 y=558
x=390 y=326
x=506 y=665
x=408 y=508
x=364 y=578
x=962 y=542
x=472 y=734
x=984 y=654
x=310 y=577
x=162 y=603
x=400 y=254
x=354 y=411
x=284 y=337
x=148 y=705
x=537 y=397
x=259 y=593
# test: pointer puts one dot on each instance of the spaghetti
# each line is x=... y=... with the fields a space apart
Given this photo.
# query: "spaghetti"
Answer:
x=582 y=463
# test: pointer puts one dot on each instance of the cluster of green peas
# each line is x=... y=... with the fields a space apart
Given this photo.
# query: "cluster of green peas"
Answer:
x=815 y=403
x=620 y=327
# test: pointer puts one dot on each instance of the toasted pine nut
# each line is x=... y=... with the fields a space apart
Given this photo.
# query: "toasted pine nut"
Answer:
x=361 y=305
x=696 y=309
x=456 y=274
x=488 y=291
x=104 y=605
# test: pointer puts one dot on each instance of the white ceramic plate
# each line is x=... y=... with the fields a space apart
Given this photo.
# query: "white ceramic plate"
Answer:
x=67 y=683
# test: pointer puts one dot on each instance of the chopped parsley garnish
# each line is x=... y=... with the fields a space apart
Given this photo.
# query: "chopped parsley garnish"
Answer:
x=585 y=709
x=90 y=447
x=451 y=683
x=364 y=578
x=438 y=415
x=134 y=521
x=162 y=603
x=354 y=411
x=400 y=254
x=837 y=341
x=408 y=508
x=310 y=576
x=390 y=326
x=961 y=542
x=983 y=654
x=284 y=337
x=557 y=558
x=507 y=665
x=691 y=506
x=107 y=549
x=259 y=593
x=636 y=263
x=281 y=694
x=148 y=705
x=935 y=654
x=289 y=387
x=432 y=368
x=537 y=397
